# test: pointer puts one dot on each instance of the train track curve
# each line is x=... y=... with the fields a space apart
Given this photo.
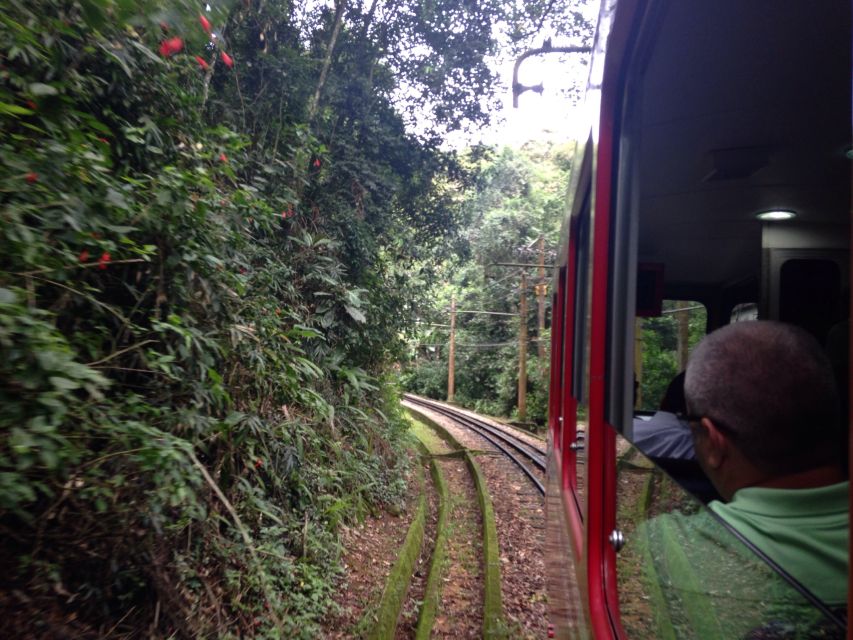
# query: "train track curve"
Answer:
x=527 y=456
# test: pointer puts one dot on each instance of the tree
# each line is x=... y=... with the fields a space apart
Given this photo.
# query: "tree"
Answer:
x=518 y=198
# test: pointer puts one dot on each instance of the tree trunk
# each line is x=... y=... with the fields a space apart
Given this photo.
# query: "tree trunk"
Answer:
x=314 y=105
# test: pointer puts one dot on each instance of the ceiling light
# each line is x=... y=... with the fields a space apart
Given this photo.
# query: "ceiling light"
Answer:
x=776 y=215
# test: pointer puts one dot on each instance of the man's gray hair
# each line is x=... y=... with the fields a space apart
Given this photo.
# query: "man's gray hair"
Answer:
x=770 y=384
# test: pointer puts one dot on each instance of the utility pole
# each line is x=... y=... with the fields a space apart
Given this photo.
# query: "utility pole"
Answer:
x=638 y=363
x=540 y=295
x=683 y=315
x=451 y=359
x=522 y=351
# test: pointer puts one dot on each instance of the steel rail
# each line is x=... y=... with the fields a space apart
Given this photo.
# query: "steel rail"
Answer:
x=505 y=435
x=480 y=430
x=537 y=457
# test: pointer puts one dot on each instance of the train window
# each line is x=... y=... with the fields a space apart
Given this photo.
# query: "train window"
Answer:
x=662 y=347
x=557 y=366
x=574 y=435
x=683 y=574
x=744 y=312
x=583 y=293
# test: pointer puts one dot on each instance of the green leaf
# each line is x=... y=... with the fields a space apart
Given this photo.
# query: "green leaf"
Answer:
x=63 y=384
x=146 y=51
x=117 y=199
x=49 y=458
x=41 y=89
x=355 y=314
x=15 y=110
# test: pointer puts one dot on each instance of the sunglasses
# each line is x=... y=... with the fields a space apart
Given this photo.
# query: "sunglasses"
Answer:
x=690 y=419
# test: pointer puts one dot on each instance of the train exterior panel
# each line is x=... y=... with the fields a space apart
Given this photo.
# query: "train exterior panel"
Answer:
x=703 y=115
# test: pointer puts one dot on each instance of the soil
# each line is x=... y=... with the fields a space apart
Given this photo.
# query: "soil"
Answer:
x=408 y=621
x=460 y=611
x=370 y=549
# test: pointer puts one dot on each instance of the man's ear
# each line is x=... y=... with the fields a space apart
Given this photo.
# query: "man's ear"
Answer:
x=716 y=443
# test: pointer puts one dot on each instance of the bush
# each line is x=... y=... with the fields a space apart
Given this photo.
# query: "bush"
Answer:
x=188 y=408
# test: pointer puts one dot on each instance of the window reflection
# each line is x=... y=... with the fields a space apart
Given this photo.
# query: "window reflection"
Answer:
x=682 y=574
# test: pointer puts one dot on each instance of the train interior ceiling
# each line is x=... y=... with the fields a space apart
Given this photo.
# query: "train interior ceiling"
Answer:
x=734 y=108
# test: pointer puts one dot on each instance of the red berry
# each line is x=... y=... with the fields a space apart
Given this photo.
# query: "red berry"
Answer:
x=205 y=24
x=226 y=59
x=31 y=177
x=104 y=260
x=202 y=63
x=84 y=255
x=223 y=157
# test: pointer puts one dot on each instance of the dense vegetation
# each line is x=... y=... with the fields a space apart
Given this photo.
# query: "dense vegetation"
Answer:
x=663 y=341
x=519 y=196
x=214 y=230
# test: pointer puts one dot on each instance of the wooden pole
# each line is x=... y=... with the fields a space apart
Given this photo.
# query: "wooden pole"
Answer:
x=540 y=295
x=451 y=358
x=522 y=351
x=683 y=335
x=638 y=362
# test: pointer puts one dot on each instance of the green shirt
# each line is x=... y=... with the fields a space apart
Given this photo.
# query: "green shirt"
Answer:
x=700 y=581
x=805 y=531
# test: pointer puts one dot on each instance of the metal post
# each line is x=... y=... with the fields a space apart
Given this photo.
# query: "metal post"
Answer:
x=451 y=358
x=522 y=351
x=540 y=295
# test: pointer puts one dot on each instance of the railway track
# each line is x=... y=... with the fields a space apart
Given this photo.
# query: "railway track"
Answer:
x=527 y=456
x=512 y=552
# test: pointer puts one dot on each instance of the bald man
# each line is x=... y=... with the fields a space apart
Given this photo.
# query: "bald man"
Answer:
x=764 y=415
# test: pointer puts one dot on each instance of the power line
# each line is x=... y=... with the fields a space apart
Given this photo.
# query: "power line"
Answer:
x=699 y=306
x=488 y=313
x=481 y=345
x=523 y=265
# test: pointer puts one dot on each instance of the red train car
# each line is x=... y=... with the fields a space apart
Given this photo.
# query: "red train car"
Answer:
x=710 y=121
